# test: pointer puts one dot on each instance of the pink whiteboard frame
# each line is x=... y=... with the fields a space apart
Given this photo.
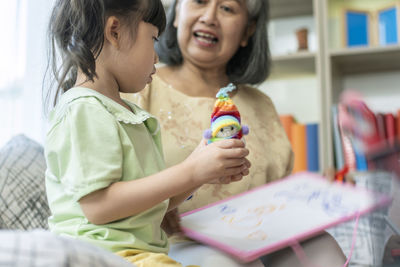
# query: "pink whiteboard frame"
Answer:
x=247 y=256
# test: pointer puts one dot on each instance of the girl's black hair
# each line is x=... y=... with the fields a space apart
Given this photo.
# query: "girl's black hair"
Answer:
x=76 y=35
x=250 y=64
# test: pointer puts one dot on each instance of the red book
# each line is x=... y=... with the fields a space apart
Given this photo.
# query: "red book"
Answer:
x=390 y=126
x=380 y=120
x=348 y=151
x=398 y=124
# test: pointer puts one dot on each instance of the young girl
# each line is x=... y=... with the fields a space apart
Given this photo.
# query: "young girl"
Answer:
x=105 y=179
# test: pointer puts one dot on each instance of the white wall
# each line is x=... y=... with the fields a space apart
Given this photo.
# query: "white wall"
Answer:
x=298 y=96
x=381 y=90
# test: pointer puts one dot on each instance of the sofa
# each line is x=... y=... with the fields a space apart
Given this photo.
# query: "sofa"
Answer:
x=24 y=238
x=24 y=211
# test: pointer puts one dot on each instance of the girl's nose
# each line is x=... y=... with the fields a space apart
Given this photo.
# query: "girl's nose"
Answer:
x=209 y=17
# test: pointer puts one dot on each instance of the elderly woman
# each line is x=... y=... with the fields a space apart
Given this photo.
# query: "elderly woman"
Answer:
x=208 y=44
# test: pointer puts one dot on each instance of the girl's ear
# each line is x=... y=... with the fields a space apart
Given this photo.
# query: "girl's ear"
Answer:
x=112 y=31
x=250 y=30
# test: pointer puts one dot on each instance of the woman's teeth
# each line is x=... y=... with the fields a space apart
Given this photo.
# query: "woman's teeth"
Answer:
x=205 y=37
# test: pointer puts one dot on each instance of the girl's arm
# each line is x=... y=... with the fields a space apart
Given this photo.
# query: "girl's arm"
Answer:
x=127 y=198
x=175 y=201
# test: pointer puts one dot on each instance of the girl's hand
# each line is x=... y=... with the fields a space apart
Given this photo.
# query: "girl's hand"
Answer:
x=225 y=158
x=233 y=178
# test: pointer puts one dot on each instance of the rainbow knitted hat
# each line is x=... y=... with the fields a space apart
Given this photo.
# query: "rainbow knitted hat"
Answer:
x=225 y=118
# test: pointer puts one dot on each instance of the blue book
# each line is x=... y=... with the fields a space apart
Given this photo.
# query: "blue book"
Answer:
x=361 y=160
x=312 y=147
x=337 y=140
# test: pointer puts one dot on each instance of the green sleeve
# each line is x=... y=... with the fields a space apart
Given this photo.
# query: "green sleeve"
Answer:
x=84 y=150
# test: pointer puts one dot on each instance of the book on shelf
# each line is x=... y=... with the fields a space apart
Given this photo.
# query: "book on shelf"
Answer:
x=380 y=120
x=398 y=124
x=337 y=140
x=304 y=141
x=287 y=121
x=347 y=146
x=390 y=126
x=312 y=147
x=299 y=146
x=387 y=127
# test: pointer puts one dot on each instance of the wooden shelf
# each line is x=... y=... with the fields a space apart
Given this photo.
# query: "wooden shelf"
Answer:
x=366 y=59
x=293 y=64
x=281 y=8
x=290 y=8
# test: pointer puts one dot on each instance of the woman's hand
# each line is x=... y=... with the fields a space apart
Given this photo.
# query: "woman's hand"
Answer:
x=171 y=223
x=393 y=243
x=222 y=162
x=330 y=175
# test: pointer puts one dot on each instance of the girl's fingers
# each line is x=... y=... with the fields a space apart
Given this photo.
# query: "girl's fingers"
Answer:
x=229 y=143
x=214 y=181
x=245 y=172
x=236 y=178
x=234 y=153
x=235 y=170
x=229 y=163
x=225 y=180
x=247 y=162
x=230 y=179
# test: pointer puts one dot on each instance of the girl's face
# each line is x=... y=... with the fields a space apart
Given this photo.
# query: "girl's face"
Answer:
x=210 y=32
x=136 y=59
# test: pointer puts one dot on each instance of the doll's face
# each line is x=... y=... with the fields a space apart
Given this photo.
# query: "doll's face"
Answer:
x=227 y=131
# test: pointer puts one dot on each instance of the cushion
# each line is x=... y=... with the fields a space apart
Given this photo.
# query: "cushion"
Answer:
x=41 y=248
x=371 y=235
x=23 y=203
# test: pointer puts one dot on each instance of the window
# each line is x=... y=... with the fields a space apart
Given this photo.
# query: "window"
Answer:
x=22 y=66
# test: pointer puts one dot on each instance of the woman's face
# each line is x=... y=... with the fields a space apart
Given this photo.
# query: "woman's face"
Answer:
x=211 y=31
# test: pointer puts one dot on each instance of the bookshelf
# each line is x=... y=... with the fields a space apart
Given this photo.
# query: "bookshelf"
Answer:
x=333 y=66
x=293 y=64
x=310 y=82
x=366 y=59
x=279 y=8
x=346 y=68
x=296 y=80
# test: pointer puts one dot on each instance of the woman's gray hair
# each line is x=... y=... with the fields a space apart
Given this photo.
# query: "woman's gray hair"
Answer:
x=250 y=64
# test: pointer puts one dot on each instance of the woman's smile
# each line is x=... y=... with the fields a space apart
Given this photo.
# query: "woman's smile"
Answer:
x=205 y=38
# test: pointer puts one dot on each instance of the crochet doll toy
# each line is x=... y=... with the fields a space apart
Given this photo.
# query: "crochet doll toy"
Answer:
x=225 y=118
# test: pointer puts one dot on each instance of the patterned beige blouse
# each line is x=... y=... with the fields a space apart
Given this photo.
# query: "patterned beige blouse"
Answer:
x=184 y=118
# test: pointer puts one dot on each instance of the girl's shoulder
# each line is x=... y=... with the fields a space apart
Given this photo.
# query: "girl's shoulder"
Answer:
x=81 y=104
x=76 y=98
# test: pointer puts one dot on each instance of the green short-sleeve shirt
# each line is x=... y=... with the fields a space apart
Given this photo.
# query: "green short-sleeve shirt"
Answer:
x=92 y=142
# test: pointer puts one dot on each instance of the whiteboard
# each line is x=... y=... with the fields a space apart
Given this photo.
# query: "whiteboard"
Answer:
x=270 y=217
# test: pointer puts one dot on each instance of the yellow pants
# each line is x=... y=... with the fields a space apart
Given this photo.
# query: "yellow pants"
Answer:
x=149 y=259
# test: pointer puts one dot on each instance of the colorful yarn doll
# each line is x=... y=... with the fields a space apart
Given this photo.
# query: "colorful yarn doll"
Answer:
x=225 y=118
